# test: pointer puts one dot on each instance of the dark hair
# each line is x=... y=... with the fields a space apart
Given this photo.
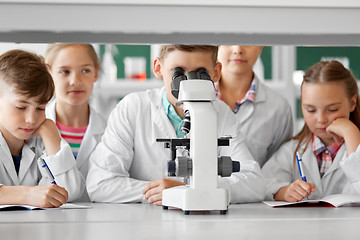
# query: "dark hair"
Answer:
x=330 y=72
x=168 y=48
x=28 y=74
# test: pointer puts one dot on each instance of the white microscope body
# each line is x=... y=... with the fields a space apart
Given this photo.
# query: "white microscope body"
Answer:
x=203 y=193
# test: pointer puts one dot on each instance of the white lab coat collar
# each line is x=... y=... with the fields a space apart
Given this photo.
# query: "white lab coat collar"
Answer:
x=260 y=93
x=93 y=130
x=90 y=135
x=247 y=108
x=28 y=156
x=7 y=161
x=158 y=118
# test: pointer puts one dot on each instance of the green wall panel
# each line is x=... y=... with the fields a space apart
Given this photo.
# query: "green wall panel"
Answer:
x=307 y=56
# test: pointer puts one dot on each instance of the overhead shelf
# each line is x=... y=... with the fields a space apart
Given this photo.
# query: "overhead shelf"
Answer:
x=188 y=22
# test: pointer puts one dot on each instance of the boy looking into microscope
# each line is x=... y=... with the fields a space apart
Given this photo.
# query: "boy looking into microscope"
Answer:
x=130 y=166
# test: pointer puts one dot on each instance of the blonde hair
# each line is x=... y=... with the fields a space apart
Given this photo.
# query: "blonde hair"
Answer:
x=28 y=74
x=168 y=48
x=330 y=72
x=53 y=49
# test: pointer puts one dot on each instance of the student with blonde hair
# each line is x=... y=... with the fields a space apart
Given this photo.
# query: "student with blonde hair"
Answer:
x=75 y=69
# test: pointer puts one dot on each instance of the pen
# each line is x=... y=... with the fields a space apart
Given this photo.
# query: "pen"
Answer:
x=47 y=170
x=299 y=163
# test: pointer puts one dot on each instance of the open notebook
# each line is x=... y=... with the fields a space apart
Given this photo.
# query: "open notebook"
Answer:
x=28 y=207
x=336 y=200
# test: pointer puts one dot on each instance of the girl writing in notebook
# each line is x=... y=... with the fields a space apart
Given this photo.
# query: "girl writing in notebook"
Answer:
x=328 y=142
x=74 y=68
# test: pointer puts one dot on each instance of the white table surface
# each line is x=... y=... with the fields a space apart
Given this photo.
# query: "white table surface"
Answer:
x=142 y=221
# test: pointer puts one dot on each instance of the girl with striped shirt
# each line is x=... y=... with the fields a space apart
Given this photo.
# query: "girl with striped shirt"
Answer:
x=75 y=68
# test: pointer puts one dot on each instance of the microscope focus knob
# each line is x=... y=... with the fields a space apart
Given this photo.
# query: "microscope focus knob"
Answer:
x=184 y=166
x=226 y=166
x=171 y=168
x=181 y=167
x=236 y=166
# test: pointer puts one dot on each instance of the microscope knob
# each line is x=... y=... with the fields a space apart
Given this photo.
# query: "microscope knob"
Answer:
x=226 y=166
x=236 y=166
x=184 y=166
x=171 y=168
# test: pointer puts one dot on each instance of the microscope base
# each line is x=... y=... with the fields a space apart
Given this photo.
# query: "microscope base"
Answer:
x=189 y=199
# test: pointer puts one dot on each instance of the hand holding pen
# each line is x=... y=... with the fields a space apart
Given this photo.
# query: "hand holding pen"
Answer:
x=297 y=190
x=308 y=188
x=47 y=196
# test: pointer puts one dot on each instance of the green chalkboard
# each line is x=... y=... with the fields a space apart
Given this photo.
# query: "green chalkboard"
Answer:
x=307 y=56
x=266 y=58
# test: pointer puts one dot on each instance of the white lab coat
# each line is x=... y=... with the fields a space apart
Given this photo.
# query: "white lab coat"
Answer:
x=343 y=176
x=92 y=137
x=62 y=165
x=267 y=124
x=128 y=157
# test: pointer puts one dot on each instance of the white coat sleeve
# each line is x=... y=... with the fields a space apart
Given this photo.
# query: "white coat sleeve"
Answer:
x=247 y=185
x=351 y=167
x=63 y=166
x=284 y=131
x=278 y=171
x=108 y=179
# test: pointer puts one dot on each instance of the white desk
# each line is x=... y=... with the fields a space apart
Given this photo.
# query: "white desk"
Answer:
x=140 y=221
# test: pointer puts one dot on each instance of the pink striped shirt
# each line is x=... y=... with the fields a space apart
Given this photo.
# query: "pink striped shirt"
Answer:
x=73 y=136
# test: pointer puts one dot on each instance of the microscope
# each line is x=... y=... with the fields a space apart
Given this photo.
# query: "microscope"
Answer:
x=201 y=165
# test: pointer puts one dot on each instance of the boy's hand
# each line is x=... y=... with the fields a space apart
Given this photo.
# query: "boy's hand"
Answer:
x=47 y=196
x=49 y=135
x=153 y=191
x=295 y=192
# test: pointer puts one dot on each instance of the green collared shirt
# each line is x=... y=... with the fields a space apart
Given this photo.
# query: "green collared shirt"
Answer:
x=174 y=118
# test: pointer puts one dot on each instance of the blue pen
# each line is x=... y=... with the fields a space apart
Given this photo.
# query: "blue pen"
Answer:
x=299 y=163
x=47 y=170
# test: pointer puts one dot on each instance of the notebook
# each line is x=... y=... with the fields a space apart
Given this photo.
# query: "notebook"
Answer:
x=28 y=207
x=336 y=200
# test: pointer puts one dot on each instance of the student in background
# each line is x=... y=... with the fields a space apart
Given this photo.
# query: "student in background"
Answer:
x=265 y=117
x=328 y=143
x=75 y=68
x=27 y=137
x=130 y=166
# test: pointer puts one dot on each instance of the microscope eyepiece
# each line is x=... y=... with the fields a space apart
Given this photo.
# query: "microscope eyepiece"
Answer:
x=200 y=73
x=193 y=75
x=203 y=74
x=178 y=72
x=177 y=77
